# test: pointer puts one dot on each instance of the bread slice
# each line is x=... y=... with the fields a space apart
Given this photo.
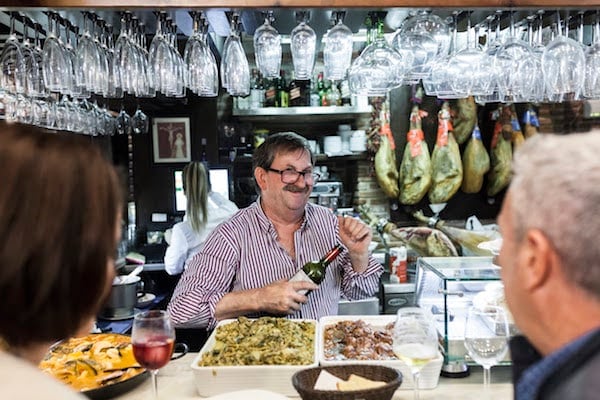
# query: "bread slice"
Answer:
x=356 y=382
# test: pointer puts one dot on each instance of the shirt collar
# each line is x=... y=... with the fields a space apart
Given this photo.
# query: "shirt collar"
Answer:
x=265 y=224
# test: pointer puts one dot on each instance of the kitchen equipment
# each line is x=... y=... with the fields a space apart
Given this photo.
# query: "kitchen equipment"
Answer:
x=122 y=300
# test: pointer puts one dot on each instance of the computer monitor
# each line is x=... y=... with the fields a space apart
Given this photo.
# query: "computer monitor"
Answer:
x=219 y=181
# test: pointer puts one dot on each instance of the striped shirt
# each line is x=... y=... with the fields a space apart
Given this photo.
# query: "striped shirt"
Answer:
x=243 y=253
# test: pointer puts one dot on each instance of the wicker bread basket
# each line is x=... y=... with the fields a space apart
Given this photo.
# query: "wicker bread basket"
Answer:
x=304 y=382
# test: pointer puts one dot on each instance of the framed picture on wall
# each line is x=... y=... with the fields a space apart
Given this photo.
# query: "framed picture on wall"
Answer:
x=171 y=140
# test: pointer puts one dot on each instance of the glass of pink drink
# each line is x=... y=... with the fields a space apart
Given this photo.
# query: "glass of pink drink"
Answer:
x=153 y=339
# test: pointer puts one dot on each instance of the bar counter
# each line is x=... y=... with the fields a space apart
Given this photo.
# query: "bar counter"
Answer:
x=176 y=382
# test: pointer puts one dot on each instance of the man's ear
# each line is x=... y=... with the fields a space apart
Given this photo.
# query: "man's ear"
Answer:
x=538 y=259
x=260 y=175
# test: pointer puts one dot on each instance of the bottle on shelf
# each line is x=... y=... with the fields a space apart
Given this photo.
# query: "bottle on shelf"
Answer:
x=257 y=93
x=322 y=90
x=314 y=271
x=315 y=100
x=299 y=92
x=282 y=90
x=334 y=97
x=271 y=99
x=345 y=93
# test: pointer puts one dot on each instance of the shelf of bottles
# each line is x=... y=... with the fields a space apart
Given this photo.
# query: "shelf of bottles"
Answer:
x=274 y=98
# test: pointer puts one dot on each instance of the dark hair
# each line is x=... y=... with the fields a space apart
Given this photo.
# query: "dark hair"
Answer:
x=60 y=203
x=282 y=142
x=196 y=188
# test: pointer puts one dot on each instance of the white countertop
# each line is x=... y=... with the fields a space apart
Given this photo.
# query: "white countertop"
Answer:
x=176 y=382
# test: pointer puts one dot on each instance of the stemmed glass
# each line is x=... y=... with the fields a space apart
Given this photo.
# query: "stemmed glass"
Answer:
x=153 y=339
x=337 y=52
x=267 y=48
x=486 y=337
x=201 y=66
x=591 y=87
x=235 y=68
x=12 y=63
x=415 y=340
x=563 y=64
x=303 y=42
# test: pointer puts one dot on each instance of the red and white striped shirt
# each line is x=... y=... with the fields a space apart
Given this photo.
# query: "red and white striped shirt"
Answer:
x=243 y=253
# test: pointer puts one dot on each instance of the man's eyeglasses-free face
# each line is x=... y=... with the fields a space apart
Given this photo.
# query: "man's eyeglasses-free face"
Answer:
x=290 y=176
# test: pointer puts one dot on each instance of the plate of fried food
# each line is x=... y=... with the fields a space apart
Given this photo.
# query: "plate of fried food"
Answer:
x=100 y=366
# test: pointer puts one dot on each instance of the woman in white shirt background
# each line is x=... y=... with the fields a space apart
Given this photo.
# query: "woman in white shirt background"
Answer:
x=204 y=211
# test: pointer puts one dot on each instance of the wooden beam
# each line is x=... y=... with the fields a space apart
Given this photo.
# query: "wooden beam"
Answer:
x=195 y=4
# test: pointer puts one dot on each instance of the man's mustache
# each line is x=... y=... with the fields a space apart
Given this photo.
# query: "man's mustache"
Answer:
x=296 y=189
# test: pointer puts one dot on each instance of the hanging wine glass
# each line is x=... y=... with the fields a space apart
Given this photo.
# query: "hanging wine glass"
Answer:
x=515 y=67
x=54 y=59
x=469 y=68
x=429 y=36
x=377 y=69
x=591 y=86
x=303 y=43
x=563 y=65
x=140 y=123
x=267 y=48
x=337 y=50
x=235 y=63
x=12 y=63
x=201 y=65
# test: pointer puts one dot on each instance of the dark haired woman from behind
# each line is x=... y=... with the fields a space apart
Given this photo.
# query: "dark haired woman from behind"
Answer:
x=60 y=212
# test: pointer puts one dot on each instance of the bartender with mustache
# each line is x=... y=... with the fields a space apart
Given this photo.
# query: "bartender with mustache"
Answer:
x=246 y=263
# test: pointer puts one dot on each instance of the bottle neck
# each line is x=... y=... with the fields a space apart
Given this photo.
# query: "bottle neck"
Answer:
x=331 y=255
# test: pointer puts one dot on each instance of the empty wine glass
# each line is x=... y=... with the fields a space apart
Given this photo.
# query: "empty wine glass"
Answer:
x=303 y=43
x=140 y=123
x=337 y=52
x=486 y=337
x=201 y=65
x=267 y=48
x=12 y=63
x=591 y=87
x=563 y=64
x=415 y=340
x=427 y=37
x=377 y=69
x=153 y=339
x=235 y=64
x=123 y=122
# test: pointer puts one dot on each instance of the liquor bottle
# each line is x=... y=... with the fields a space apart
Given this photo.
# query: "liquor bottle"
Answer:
x=271 y=99
x=334 y=97
x=315 y=100
x=257 y=93
x=299 y=92
x=322 y=90
x=314 y=271
x=345 y=93
x=282 y=90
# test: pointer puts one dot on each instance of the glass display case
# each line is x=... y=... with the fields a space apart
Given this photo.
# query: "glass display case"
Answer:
x=447 y=286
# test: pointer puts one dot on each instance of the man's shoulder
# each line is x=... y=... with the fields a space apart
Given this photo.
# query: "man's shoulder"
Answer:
x=582 y=384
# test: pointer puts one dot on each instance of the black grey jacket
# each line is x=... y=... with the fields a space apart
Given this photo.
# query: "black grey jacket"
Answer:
x=577 y=379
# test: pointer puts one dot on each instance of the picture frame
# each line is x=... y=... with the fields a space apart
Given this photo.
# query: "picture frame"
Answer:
x=171 y=140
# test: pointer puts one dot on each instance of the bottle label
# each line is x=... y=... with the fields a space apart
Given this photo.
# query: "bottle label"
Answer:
x=301 y=277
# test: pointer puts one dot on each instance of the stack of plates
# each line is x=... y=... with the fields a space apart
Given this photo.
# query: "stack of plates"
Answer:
x=332 y=144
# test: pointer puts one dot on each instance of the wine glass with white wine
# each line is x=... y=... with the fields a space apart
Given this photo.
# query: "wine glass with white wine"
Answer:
x=415 y=340
x=486 y=337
